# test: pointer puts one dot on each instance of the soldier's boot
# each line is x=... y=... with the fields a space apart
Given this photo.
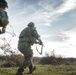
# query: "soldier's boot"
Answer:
x=31 y=69
x=20 y=72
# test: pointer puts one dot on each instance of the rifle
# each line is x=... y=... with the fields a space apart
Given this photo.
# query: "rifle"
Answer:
x=40 y=43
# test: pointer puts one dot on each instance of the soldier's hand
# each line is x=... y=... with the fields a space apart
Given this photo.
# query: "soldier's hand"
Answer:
x=40 y=42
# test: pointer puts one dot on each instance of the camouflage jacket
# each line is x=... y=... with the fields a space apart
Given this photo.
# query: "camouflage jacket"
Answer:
x=3 y=18
x=29 y=35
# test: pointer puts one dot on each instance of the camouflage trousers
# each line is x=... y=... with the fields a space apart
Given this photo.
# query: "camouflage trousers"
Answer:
x=26 y=50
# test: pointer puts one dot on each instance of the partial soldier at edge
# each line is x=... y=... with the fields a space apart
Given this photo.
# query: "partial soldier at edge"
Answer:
x=3 y=16
x=27 y=38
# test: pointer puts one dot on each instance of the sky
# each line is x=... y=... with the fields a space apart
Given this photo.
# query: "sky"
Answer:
x=55 y=21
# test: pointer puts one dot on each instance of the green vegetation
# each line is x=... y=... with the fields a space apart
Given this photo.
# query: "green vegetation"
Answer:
x=49 y=65
x=43 y=70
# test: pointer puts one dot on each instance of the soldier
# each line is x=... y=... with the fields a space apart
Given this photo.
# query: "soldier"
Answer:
x=27 y=37
x=3 y=16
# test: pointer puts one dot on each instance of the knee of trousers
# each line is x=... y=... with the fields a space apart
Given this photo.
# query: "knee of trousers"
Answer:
x=20 y=70
x=25 y=64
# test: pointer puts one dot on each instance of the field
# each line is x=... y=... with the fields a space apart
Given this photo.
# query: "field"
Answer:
x=43 y=70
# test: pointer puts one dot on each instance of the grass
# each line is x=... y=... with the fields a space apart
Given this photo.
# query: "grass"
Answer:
x=43 y=70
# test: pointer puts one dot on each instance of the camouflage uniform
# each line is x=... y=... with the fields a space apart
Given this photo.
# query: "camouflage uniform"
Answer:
x=27 y=37
x=3 y=16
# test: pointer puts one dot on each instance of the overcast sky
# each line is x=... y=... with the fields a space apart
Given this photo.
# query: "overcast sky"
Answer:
x=55 y=21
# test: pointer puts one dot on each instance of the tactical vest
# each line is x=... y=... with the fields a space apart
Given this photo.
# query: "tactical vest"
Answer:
x=26 y=36
x=3 y=18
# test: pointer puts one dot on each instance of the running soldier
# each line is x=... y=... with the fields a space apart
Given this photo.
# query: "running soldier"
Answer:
x=27 y=38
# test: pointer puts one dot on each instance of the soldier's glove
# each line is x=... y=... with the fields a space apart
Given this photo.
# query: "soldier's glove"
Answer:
x=40 y=42
x=2 y=31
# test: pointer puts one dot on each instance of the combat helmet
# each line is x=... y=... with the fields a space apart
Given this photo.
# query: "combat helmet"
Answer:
x=31 y=24
x=3 y=3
